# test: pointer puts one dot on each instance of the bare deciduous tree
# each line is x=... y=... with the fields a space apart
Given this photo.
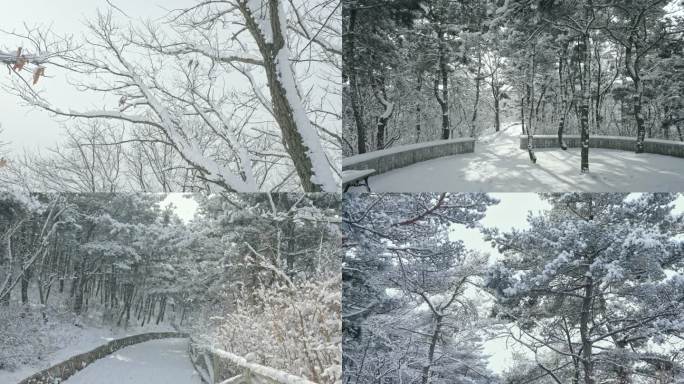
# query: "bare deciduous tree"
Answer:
x=218 y=84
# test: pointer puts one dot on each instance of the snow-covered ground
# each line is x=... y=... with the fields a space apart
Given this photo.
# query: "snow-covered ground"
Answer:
x=499 y=165
x=162 y=361
x=69 y=340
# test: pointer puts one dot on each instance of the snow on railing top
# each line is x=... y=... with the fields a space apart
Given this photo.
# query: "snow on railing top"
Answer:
x=404 y=148
x=656 y=146
x=258 y=370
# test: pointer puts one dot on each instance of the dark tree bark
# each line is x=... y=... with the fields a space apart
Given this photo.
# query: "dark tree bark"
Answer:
x=632 y=63
x=585 y=318
x=597 y=96
x=444 y=77
x=522 y=111
x=425 y=377
x=497 y=115
x=283 y=110
x=419 y=86
x=477 y=92
x=379 y=91
x=586 y=97
x=79 y=287
x=564 y=101
x=530 y=102
x=25 y=279
x=350 y=73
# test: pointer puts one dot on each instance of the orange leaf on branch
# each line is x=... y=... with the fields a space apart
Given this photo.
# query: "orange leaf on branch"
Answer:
x=19 y=65
x=20 y=62
x=40 y=71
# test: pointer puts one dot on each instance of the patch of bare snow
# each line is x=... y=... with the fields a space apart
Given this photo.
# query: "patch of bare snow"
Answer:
x=499 y=165
x=163 y=361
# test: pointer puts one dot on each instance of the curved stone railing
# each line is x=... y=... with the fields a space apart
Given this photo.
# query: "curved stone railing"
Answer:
x=65 y=369
x=218 y=366
x=401 y=156
x=660 y=147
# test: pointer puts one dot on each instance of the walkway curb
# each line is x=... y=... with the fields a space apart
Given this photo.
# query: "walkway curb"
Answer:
x=68 y=368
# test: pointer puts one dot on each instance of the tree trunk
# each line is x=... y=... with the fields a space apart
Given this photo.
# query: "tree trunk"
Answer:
x=587 y=361
x=127 y=302
x=522 y=110
x=597 y=97
x=25 y=279
x=638 y=114
x=78 y=287
x=162 y=308
x=419 y=85
x=379 y=91
x=182 y=315
x=350 y=73
x=444 y=76
x=530 y=102
x=564 y=100
x=497 y=118
x=586 y=315
x=477 y=93
x=431 y=351
x=299 y=136
x=632 y=66
x=666 y=123
x=289 y=232
x=584 y=107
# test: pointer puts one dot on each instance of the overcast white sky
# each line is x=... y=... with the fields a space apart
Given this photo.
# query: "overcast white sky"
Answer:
x=28 y=128
x=185 y=205
x=511 y=212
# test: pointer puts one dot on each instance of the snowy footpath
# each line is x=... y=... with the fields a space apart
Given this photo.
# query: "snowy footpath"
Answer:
x=499 y=165
x=164 y=361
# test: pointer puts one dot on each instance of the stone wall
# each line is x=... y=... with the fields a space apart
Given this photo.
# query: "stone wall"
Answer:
x=401 y=156
x=661 y=147
x=66 y=369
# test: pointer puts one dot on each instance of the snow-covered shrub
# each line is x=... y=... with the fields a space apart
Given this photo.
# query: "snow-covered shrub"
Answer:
x=28 y=334
x=295 y=329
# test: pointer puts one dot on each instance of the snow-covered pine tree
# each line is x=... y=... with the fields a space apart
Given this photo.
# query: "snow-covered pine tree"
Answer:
x=406 y=316
x=597 y=283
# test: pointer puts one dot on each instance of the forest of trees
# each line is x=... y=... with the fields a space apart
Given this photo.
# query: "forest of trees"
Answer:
x=217 y=96
x=417 y=71
x=254 y=273
x=591 y=291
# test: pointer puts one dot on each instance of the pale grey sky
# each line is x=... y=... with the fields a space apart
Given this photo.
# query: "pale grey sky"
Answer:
x=185 y=205
x=511 y=212
x=29 y=128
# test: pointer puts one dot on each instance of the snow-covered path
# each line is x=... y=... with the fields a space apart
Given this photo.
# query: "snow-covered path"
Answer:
x=499 y=165
x=162 y=361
